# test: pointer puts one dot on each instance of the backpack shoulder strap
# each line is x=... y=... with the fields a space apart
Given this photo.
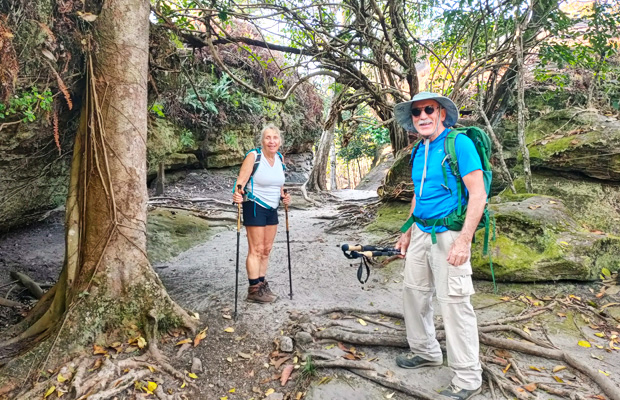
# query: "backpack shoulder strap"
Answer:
x=256 y=159
x=413 y=152
x=282 y=161
x=449 y=147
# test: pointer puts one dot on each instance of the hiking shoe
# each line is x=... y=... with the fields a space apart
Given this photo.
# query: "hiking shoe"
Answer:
x=456 y=393
x=413 y=361
x=257 y=294
x=267 y=290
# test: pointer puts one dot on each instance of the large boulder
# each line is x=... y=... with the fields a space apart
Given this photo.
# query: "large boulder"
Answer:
x=576 y=141
x=397 y=184
x=539 y=240
x=228 y=147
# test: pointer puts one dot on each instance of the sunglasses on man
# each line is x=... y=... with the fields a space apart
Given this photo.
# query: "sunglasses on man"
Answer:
x=416 y=112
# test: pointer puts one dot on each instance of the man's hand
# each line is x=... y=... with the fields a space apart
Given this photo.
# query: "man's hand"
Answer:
x=286 y=199
x=460 y=251
x=238 y=196
x=403 y=244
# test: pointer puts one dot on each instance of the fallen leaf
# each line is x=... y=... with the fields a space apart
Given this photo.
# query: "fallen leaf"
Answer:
x=60 y=378
x=244 y=355
x=299 y=395
x=606 y=272
x=558 y=368
x=330 y=346
x=535 y=368
x=362 y=322
x=502 y=353
x=561 y=315
x=99 y=350
x=286 y=374
x=201 y=335
x=151 y=368
x=231 y=390
x=230 y=329
x=48 y=54
x=558 y=379
x=151 y=386
x=609 y=305
x=507 y=368
x=599 y=334
x=224 y=398
x=188 y=340
x=183 y=385
x=530 y=388
x=349 y=356
x=534 y=207
x=603 y=372
x=280 y=361
x=88 y=17
x=324 y=380
x=553 y=202
x=584 y=343
x=269 y=391
x=389 y=396
x=505 y=298
x=192 y=375
x=226 y=316
x=229 y=359
x=50 y=391
x=141 y=342
x=527 y=330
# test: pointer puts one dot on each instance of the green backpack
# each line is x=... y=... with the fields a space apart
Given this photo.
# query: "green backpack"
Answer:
x=455 y=220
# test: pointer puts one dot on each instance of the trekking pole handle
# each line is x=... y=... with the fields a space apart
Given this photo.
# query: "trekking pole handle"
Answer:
x=357 y=247
x=371 y=254
x=238 y=212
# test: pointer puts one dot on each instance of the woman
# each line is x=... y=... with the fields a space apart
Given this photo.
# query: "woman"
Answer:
x=262 y=191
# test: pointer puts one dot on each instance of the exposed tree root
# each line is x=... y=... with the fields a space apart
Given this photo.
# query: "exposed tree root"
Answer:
x=415 y=391
x=350 y=310
x=10 y=303
x=348 y=364
x=530 y=346
x=28 y=283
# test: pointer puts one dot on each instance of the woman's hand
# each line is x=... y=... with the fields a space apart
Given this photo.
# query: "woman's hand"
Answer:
x=238 y=196
x=286 y=199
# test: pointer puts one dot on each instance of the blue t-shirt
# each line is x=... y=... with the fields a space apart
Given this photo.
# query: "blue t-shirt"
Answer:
x=436 y=201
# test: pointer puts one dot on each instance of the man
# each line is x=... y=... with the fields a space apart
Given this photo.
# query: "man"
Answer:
x=443 y=267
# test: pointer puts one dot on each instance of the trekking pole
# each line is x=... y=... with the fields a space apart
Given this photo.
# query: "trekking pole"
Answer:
x=288 y=247
x=238 y=239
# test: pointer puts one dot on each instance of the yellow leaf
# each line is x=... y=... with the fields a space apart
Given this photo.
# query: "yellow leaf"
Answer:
x=558 y=368
x=60 y=378
x=584 y=343
x=553 y=202
x=269 y=391
x=224 y=398
x=151 y=368
x=330 y=346
x=295 y=360
x=603 y=372
x=201 y=335
x=184 y=341
x=231 y=390
x=598 y=346
x=298 y=395
x=606 y=272
x=151 y=386
x=561 y=315
x=564 y=243
x=141 y=342
x=535 y=368
x=505 y=298
x=99 y=350
x=599 y=334
x=362 y=322
x=527 y=330
x=230 y=329
x=60 y=393
x=507 y=368
x=50 y=391
x=229 y=359
x=195 y=315
x=192 y=375
x=558 y=379
x=572 y=296
x=183 y=385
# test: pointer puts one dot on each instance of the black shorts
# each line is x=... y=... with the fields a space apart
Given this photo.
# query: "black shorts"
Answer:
x=263 y=216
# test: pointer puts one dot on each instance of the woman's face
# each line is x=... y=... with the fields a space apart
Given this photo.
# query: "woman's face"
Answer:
x=271 y=140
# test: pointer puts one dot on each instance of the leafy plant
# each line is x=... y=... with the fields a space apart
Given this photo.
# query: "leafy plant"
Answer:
x=187 y=139
x=25 y=106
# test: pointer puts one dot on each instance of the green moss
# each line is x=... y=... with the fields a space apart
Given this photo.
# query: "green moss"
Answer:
x=390 y=217
x=171 y=232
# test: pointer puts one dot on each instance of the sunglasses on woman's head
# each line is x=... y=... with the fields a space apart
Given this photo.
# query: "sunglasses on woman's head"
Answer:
x=416 y=112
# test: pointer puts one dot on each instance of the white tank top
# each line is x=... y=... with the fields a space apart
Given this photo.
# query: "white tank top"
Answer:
x=268 y=180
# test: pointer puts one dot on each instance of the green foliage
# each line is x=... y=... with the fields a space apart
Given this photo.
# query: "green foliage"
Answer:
x=363 y=141
x=158 y=109
x=186 y=139
x=26 y=105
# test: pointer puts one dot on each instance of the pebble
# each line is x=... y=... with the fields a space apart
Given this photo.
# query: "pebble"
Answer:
x=275 y=396
x=286 y=344
x=302 y=337
x=196 y=365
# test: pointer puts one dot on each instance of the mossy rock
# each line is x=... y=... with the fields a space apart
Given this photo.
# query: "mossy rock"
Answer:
x=538 y=240
x=576 y=141
x=171 y=232
x=228 y=147
x=390 y=217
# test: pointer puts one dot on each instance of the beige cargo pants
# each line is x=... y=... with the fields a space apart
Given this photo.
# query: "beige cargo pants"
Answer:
x=427 y=271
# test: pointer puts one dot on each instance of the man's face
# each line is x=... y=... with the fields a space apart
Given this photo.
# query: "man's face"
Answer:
x=427 y=118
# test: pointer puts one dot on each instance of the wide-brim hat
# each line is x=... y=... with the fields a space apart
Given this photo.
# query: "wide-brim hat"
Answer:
x=402 y=111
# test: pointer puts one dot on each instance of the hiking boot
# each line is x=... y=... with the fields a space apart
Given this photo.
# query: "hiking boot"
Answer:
x=257 y=294
x=456 y=393
x=413 y=361
x=267 y=290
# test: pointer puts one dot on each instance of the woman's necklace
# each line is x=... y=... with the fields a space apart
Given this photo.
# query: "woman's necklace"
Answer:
x=270 y=159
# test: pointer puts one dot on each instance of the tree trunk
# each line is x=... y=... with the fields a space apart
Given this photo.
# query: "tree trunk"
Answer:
x=107 y=280
x=334 y=166
x=318 y=176
x=349 y=176
x=521 y=103
x=159 y=188
x=398 y=137
x=359 y=168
